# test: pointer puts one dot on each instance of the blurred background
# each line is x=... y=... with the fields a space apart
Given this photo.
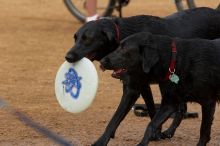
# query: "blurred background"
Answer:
x=34 y=37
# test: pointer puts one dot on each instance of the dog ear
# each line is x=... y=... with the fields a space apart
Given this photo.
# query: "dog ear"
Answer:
x=149 y=55
x=109 y=34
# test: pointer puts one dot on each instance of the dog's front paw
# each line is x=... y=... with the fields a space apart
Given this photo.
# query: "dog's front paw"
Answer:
x=156 y=137
x=140 y=144
x=113 y=135
x=101 y=142
x=167 y=134
x=96 y=144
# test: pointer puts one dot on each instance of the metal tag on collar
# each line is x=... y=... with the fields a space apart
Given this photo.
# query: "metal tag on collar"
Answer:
x=173 y=77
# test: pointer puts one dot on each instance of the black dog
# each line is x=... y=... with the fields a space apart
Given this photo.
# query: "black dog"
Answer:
x=186 y=70
x=98 y=38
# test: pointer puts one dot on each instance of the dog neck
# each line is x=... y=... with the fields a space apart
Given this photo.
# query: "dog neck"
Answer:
x=131 y=25
x=164 y=47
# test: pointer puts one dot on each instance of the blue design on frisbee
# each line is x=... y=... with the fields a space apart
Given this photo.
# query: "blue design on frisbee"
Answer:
x=72 y=83
x=76 y=85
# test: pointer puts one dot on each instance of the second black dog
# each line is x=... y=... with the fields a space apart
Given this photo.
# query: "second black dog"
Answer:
x=186 y=70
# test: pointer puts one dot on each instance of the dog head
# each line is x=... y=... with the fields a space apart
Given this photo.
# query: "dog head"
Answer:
x=138 y=50
x=93 y=40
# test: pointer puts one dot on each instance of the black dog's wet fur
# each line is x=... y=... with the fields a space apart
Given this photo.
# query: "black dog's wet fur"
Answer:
x=198 y=67
x=98 y=39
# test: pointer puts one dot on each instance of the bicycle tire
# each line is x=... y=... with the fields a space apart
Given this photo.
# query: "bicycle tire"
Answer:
x=191 y=4
x=180 y=6
x=81 y=17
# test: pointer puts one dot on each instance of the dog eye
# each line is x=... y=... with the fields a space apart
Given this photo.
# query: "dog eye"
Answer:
x=86 y=39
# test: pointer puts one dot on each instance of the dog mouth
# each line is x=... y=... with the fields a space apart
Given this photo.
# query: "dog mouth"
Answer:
x=91 y=56
x=117 y=73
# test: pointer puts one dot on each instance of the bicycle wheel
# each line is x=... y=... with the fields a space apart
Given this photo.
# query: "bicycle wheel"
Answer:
x=77 y=8
x=180 y=5
x=191 y=4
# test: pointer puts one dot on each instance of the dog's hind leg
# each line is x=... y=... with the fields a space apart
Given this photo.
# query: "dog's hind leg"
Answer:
x=176 y=121
x=130 y=96
x=168 y=106
x=208 y=110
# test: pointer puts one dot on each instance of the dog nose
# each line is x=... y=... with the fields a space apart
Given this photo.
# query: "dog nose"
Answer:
x=71 y=57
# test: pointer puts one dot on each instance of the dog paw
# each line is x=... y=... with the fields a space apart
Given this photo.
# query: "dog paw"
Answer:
x=98 y=144
x=101 y=142
x=167 y=134
x=156 y=137
x=113 y=135
x=140 y=144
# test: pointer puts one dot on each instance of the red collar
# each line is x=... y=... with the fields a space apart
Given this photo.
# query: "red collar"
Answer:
x=172 y=61
x=117 y=32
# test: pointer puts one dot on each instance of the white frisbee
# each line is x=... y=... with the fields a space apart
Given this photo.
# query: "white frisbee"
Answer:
x=76 y=85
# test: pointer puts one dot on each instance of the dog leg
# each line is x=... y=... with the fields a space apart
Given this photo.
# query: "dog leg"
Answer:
x=129 y=97
x=176 y=121
x=149 y=101
x=166 y=109
x=208 y=110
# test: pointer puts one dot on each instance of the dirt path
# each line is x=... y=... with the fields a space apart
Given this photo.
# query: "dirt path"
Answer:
x=34 y=38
